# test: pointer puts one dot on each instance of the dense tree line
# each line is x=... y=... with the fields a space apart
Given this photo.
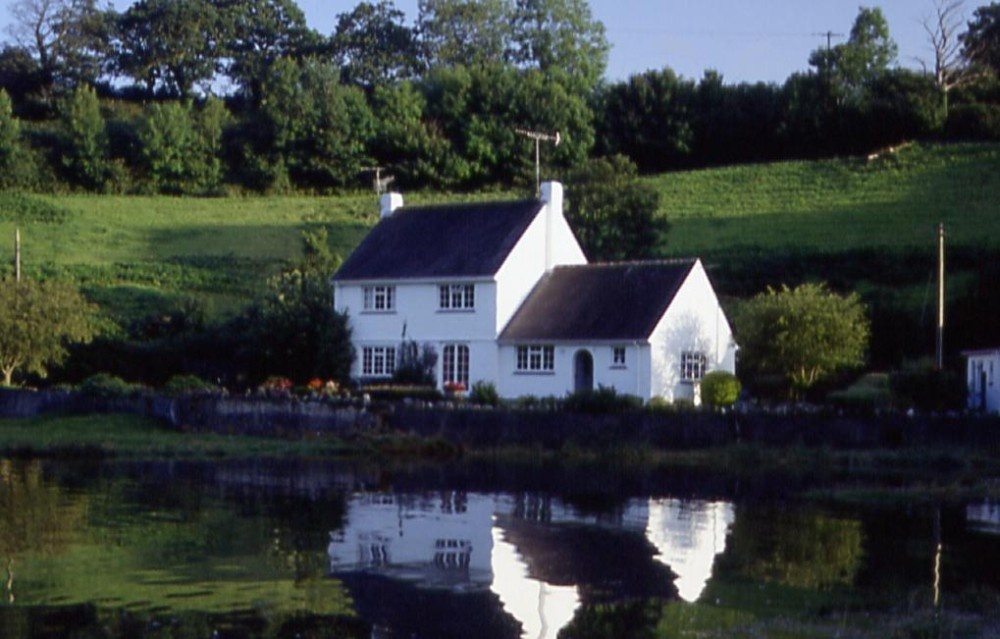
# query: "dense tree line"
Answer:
x=202 y=96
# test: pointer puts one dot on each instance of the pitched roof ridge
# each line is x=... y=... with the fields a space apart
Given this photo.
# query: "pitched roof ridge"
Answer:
x=459 y=205
x=669 y=261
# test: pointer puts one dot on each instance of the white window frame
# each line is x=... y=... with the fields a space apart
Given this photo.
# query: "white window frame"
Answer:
x=455 y=364
x=378 y=361
x=380 y=298
x=619 y=357
x=694 y=365
x=536 y=358
x=457 y=297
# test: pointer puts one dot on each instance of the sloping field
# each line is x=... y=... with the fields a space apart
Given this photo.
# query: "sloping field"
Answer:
x=893 y=202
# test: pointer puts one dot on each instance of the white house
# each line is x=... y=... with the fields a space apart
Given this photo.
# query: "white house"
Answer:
x=503 y=293
x=984 y=393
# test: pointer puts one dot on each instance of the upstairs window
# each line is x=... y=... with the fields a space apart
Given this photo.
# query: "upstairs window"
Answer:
x=536 y=358
x=693 y=365
x=618 y=357
x=456 y=297
x=380 y=298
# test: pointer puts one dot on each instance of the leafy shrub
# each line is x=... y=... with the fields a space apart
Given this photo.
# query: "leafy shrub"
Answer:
x=484 y=393
x=105 y=386
x=720 y=389
x=659 y=403
x=926 y=389
x=415 y=364
x=399 y=392
x=188 y=385
x=869 y=394
x=973 y=122
x=603 y=400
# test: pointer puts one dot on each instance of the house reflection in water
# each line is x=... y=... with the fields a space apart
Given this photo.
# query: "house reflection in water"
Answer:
x=688 y=536
x=420 y=563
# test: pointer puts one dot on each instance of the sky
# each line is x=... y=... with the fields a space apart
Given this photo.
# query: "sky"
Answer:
x=744 y=40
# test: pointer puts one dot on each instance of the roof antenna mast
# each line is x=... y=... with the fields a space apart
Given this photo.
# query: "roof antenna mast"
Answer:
x=380 y=183
x=538 y=137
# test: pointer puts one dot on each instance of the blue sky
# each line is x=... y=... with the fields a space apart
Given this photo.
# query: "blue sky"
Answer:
x=745 y=40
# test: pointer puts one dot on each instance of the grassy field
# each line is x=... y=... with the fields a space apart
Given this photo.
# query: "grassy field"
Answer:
x=891 y=203
x=140 y=255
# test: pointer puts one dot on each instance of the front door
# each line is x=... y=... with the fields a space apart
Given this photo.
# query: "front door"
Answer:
x=583 y=369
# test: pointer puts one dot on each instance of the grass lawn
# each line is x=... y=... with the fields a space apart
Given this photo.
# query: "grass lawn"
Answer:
x=140 y=255
x=894 y=202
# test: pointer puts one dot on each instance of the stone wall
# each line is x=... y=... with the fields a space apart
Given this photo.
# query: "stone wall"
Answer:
x=490 y=428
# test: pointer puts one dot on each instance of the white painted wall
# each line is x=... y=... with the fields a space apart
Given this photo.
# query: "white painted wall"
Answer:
x=547 y=239
x=631 y=379
x=981 y=374
x=694 y=322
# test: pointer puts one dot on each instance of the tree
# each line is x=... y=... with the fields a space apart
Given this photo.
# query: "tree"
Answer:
x=169 y=46
x=464 y=32
x=560 y=36
x=981 y=42
x=374 y=47
x=802 y=336
x=611 y=212
x=293 y=329
x=180 y=146
x=85 y=145
x=257 y=33
x=649 y=119
x=868 y=52
x=38 y=320
x=950 y=68
x=67 y=37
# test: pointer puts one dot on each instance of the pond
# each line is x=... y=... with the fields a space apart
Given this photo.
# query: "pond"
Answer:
x=336 y=549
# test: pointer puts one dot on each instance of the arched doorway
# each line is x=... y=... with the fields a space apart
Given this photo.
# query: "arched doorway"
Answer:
x=583 y=371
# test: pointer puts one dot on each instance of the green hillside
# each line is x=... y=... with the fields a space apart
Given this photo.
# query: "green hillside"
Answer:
x=893 y=202
x=866 y=225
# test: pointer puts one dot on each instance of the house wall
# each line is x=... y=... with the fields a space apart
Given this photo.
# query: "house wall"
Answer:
x=547 y=242
x=630 y=379
x=694 y=322
x=418 y=310
x=981 y=378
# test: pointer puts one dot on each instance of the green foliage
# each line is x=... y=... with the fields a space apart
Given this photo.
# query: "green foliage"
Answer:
x=981 y=42
x=415 y=364
x=106 y=386
x=720 y=389
x=973 y=122
x=85 y=141
x=802 y=336
x=21 y=208
x=484 y=393
x=373 y=45
x=611 y=212
x=188 y=385
x=400 y=392
x=867 y=395
x=38 y=321
x=920 y=386
x=606 y=399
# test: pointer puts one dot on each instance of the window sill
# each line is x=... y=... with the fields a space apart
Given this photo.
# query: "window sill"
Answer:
x=534 y=373
x=456 y=311
x=375 y=312
x=619 y=367
x=691 y=381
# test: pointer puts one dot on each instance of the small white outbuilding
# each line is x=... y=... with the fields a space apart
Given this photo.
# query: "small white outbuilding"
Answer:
x=981 y=370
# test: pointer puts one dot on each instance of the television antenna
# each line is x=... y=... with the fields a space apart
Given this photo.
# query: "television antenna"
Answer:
x=380 y=183
x=538 y=137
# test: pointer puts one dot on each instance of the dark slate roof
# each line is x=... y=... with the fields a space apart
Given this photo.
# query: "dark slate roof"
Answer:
x=621 y=301
x=463 y=240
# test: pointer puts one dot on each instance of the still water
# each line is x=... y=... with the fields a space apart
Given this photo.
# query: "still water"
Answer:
x=328 y=549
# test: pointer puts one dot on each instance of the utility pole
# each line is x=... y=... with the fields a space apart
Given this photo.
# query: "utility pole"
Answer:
x=17 y=255
x=939 y=345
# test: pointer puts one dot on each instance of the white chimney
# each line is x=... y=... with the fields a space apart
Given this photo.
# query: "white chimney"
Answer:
x=388 y=203
x=551 y=193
